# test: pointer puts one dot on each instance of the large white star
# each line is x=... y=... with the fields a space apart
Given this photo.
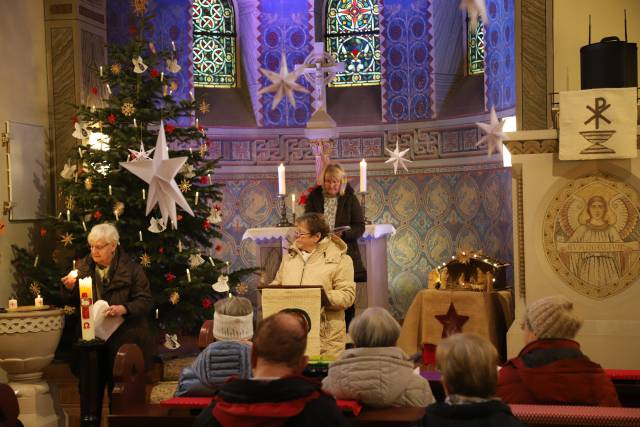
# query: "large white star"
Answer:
x=282 y=83
x=142 y=154
x=397 y=158
x=474 y=9
x=493 y=134
x=160 y=174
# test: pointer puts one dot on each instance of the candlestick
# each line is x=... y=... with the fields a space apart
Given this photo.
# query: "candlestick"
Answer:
x=282 y=185
x=188 y=276
x=197 y=195
x=110 y=190
x=86 y=301
x=39 y=302
x=13 y=304
x=140 y=235
x=364 y=207
x=363 y=176
x=284 y=222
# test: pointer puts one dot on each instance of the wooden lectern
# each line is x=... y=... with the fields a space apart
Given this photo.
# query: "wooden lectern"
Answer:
x=307 y=298
x=271 y=242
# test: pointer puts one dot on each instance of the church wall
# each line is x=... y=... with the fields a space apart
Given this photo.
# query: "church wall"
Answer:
x=607 y=19
x=500 y=58
x=435 y=209
x=610 y=334
x=24 y=99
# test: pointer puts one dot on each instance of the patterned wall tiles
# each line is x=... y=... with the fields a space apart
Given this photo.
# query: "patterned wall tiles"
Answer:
x=500 y=77
x=435 y=211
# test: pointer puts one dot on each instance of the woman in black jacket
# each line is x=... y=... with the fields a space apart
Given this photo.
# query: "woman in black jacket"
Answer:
x=337 y=200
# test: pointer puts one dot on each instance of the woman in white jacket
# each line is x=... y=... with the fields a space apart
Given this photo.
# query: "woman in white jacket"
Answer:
x=376 y=372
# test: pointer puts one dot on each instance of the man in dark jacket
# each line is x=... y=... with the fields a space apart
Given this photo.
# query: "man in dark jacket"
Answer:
x=551 y=369
x=121 y=282
x=276 y=395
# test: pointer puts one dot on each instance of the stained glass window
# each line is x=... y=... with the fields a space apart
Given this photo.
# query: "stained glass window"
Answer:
x=475 y=49
x=214 y=44
x=353 y=37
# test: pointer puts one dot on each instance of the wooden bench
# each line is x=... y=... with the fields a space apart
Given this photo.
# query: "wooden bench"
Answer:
x=576 y=416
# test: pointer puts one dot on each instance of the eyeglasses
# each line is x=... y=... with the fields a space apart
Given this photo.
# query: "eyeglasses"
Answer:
x=299 y=233
x=98 y=247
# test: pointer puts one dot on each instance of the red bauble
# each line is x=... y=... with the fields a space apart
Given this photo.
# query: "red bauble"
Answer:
x=161 y=250
x=133 y=30
x=111 y=118
x=97 y=215
x=154 y=72
x=169 y=277
x=204 y=180
x=206 y=225
x=169 y=128
x=43 y=232
x=206 y=303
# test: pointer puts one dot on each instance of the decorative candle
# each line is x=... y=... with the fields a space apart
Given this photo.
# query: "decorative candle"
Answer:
x=84 y=225
x=213 y=264
x=68 y=215
x=363 y=176
x=140 y=235
x=35 y=261
x=173 y=45
x=13 y=304
x=179 y=245
x=282 y=186
x=73 y=273
x=73 y=263
x=101 y=71
x=293 y=202
x=110 y=190
x=86 y=301
x=209 y=176
x=188 y=276
x=197 y=195
x=162 y=76
x=197 y=122
x=144 y=194
x=135 y=123
x=39 y=302
x=157 y=314
x=108 y=89
x=115 y=212
x=80 y=152
x=164 y=90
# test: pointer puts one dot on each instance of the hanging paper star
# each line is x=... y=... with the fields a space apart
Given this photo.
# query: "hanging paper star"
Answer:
x=145 y=260
x=204 y=107
x=174 y=298
x=397 y=158
x=34 y=288
x=160 y=174
x=241 y=288
x=142 y=154
x=69 y=202
x=222 y=285
x=493 y=134
x=475 y=9
x=451 y=322
x=67 y=239
x=282 y=83
x=115 y=69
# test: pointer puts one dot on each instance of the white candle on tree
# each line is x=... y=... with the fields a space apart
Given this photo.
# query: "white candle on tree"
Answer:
x=282 y=186
x=363 y=176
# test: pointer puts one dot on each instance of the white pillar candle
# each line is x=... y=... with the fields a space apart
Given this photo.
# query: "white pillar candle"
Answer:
x=193 y=98
x=86 y=301
x=363 y=176
x=213 y=264
x=84 y=226
x=108 y=89
x=282 y=186
x=135 y=123
x=188 y=276
x=157 y=314
x=209 y=176
x=13 y=304
x=39 y=302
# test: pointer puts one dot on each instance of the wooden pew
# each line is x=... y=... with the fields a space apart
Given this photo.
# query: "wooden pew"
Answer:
x=576 y=416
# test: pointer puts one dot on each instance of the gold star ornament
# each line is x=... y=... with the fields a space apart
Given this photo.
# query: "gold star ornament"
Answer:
x=67 y=239
x=204 y=107
x=185 y=186
x=145 y=260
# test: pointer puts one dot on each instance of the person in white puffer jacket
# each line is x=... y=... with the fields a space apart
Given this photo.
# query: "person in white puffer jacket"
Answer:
x=376 y=372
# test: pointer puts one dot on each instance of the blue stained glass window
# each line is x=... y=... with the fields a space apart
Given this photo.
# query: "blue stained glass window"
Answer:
x=353 y=36
x=214 y=44
x=475 y=49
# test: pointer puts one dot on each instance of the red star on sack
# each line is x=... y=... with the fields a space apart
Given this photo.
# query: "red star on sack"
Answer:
x=169 y=277
x=218 y=248
x=451 y=322
x=111 y=118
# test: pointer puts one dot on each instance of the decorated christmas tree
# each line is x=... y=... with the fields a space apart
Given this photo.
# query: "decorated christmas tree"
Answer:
x=160 y=195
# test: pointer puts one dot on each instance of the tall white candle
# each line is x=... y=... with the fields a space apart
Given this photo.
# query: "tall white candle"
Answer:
x=363 y=176
x=282 y=186
x=86 y=301
x=162 y=76
x=68 y=215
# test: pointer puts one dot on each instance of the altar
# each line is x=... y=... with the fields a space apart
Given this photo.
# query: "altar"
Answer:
x=271 y=242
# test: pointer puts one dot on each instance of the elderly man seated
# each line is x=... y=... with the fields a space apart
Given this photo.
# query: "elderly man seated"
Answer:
x=376 y=372
x=277 y=394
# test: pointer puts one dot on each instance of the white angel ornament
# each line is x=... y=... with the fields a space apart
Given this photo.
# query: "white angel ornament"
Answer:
x=139 y=66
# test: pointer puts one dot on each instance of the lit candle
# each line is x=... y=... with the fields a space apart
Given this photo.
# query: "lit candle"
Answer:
x=164 y=90
x=162 y=76
x=115 y=212
x=108 y=89
x=188 y=276
x=193 y=98
x=293 y=202
x=101 y=71
x=84 y=226
x=68 y=215
x=39 y=302
x=13 y=304
x=363 y=176
x=144 y=194
x=135 y=123
x=73 y=273
x=86 y=301
x=110 y=190
x=140 y=235
x=213 y=264
x=282 y=186
x=157 y=314
x=197 y=122
x=209 y=176
x=35 y=261
x=73 y=263
x=173 y=45
x=180 y=246
x=80 y=152
x=197 y=195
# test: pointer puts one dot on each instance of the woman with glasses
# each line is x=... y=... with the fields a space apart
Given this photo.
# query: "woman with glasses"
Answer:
x=318 y=257
x=337 y=200
x=121 y=282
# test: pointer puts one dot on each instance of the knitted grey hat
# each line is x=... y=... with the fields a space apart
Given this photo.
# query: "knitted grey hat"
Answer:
x=552 y=317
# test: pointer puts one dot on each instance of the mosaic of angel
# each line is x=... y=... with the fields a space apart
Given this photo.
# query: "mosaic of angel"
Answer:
x=597 y=237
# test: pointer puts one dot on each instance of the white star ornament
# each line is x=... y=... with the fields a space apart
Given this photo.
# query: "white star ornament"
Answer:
x=493 y=134
x=160 y=174
x=282 y=83
x=397 y=158
x=142 y=154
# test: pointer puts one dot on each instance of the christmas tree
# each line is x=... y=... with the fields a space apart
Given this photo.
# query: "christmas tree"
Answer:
x=116 y=134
